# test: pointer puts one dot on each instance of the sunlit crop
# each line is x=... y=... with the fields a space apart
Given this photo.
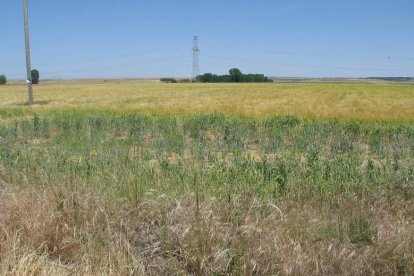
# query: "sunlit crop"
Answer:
x=378 y=102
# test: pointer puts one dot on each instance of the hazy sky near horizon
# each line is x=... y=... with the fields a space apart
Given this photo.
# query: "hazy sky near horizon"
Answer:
x=320 y=38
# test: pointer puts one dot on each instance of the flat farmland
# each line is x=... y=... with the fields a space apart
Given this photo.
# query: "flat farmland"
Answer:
x=207 y=179
x=366 y=102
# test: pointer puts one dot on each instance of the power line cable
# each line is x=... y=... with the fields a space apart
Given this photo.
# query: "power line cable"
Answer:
x=88 y=59
x=325 y=55
x=308 y=66
x=138 y=63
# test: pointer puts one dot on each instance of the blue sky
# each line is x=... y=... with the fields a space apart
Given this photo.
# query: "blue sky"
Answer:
x=335 y=38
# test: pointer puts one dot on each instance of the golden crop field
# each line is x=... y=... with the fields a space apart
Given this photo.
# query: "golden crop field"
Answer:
x=367 y=102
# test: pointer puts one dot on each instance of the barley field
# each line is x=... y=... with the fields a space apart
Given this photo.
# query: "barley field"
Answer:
x=369 y=102
x=192 y=179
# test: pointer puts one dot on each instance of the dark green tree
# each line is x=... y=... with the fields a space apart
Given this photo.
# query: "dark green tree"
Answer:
x=35 y=76
x=3 y=79
x=207 y=77
x=235 y=75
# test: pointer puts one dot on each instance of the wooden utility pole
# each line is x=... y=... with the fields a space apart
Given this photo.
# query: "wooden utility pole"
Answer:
x=27 y=42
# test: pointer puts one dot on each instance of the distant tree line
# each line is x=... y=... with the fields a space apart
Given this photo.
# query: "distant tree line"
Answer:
x=173 y=80
x=168 y=80
x=397 y=79
x=235 y=75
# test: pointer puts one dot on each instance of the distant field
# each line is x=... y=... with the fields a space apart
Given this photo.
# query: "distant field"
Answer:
x=379 y=102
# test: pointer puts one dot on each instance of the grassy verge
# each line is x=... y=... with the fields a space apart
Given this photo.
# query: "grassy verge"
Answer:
x=149 y=194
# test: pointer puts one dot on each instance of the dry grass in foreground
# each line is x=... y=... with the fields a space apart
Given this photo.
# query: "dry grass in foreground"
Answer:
x=56 y=232
x=96 y=194
x=370 y=102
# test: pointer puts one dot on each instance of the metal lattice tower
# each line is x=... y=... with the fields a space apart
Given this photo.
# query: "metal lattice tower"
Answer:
x=196 y=56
